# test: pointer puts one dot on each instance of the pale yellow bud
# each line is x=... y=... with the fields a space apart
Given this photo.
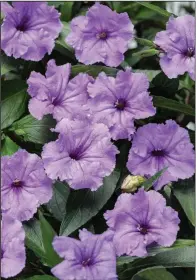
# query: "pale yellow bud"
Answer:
x=131 y=183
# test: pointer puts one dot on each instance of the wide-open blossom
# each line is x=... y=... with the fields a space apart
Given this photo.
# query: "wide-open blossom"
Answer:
x=29 y=29
x=100 y=36
x=55 y=94
x=116 y=102
x=82 y=155
x=24 y=185
x=177 y=43
x=159 y=146
x=141 y=220
x=13 y=255
x=90 y=258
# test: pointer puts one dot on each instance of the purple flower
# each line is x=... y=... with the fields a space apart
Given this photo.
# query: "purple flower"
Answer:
x=83 y=154
x=116 y=102
x=157 y=146
x=29 y=29
x=53 y=94
x=90 y=258
x=177 y=43
x=141 y=220
x=100 y=36
x=24 y=185
x=12 y=247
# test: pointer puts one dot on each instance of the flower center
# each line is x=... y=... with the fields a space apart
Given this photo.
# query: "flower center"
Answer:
x=86 y=262
x=17 y=184
x=190 y=52
x=23 y=25
x=158 y=153
x=120 y=104
x=103 y=35
x=143 y=229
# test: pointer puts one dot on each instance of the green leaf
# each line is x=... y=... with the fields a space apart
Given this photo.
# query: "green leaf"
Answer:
x=57 y=205
x=33 y=130
x=66 y=11
x=151 y=74
x=7 y=64
x=146 y=53
x=155 y=9
x=176 y=257
x=8 y=147
x=82 y=205
x=185 y=193
x=93 y=70
x=55 y=3
x=163 y=86
x=48 y=235
x=170 y=104
x=145 y=42
x=41 y=277
x=148 y=183
x=13 y=104
x=153 y=273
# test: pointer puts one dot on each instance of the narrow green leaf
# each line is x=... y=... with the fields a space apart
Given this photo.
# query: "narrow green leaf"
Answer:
x=170 y=104
x=149 y=183
x=48 y=235
x=41 y=277
x=14 y=101
x=185 y=193
x=145 y=42
x=66 y=11
x=155 y=9
x=93 y=70
x=146 y=53
x=7 y=64
x=82 y=205
x=33 y=130
x=8 y=147
x=153 y=273
x=57 y=205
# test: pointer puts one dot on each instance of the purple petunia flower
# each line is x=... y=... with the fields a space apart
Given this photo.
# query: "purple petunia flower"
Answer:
x=100 y=36
x=116 y=102
x=24 y=185
x=83 y=154
x=55 y=94
x=90 y=258
x=13 y=255
x=157 y=146
x=177 y=43
x=29 y=29
x=141 y=220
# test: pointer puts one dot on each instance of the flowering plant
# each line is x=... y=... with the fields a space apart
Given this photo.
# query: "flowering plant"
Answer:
x=97 y=125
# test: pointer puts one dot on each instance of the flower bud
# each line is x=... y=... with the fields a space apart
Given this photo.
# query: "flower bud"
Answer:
x=131 y=183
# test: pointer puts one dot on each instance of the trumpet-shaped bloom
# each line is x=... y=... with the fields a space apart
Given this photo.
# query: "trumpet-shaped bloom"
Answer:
x=29 y=29
x=55 y=94
x=177 y=43
x=141 y=220
x=116 y=102
x=12 y=247
x=159 y=146
x=24 y=186
x=100 y=36
x=90 y=258
x=83 y=154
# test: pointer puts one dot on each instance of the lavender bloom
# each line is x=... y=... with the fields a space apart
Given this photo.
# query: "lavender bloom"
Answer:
x=55 y=94
x=141 y=220
x=156 y=146
x=24 y=185
x=116 y=102
x=29 y=29
x=100 y=36
x=12 y=247
x=86 y=259
x=83 y=154
x=177 y=42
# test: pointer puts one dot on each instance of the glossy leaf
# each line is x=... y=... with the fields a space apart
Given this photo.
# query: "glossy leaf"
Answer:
x=8 y=147
x=155 y=8
x=66 y=11
x=41 y=277
x=93 y=70
x=153 y=273
x=149 y=183
x=145 y=42
x=146 y=53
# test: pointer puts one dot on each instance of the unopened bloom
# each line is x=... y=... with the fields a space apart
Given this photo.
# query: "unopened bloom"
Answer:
x=117 y=102
x=177 y=43
x=13 y=255
x=90 y=258
x=24 y=186
x=82 y=155
x=132 y=183
x=55 y=94
x=100 y=36
x=29 y=29
x=159 y=146
x=141 y=220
